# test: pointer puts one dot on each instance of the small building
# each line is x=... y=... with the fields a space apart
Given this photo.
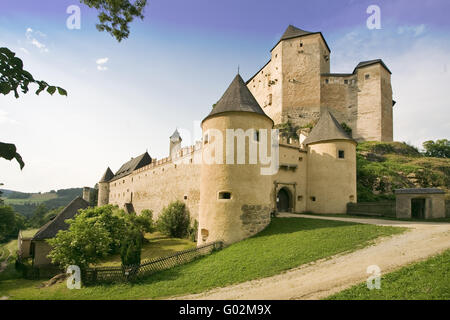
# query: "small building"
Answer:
x=39 y=248
x=421 y=203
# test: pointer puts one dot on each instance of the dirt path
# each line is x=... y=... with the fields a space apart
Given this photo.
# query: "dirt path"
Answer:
x=328 y=276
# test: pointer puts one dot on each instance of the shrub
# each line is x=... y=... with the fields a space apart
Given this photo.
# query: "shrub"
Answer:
x=438 y=149
x=130 y=253
x=174 y=220
x=145 y=221
x=193 y=231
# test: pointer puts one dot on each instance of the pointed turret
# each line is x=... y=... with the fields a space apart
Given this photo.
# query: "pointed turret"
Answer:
x=175 y=137
x=326 y=129
x=107 y=176
x=237 y=98
x=175 y=144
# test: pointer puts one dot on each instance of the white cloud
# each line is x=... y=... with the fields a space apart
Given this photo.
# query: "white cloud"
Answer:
x=101 y=64
x=414 y=30
x=102 y=60
x=24 y=50
x=30 y=35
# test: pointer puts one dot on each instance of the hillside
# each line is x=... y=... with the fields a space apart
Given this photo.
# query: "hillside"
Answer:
x=26 y=203
x=383 y=167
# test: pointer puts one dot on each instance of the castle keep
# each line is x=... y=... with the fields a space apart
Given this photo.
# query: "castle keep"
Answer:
x=296 y=83
x=229 y=195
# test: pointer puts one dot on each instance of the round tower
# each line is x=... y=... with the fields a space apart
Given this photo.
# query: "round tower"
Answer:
x=331 y=175
x=103 y=188
x=234 y=195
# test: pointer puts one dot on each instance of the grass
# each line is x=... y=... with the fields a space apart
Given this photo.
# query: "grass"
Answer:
x=443 y=220
x=29 y=233
x=285 y=244
x=158 y=246
x=35 y=198
x=426 y=280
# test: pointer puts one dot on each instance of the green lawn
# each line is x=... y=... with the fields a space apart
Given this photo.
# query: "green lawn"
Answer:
x=286 y=243
x=158 y=246
x=428 y=280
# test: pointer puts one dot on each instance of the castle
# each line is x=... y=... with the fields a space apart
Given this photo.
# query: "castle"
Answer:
x=232 y=191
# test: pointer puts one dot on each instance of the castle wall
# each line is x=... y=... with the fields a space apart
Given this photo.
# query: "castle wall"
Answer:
x=331 y=181
x=291 y=175
x=340 y=94
x=266 y=86
x=160 y=183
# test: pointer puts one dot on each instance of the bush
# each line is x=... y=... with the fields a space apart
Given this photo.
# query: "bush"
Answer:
x=145 y=221
x=438 y=149
x=130 y=253
x=193 y=231
x=174 y=220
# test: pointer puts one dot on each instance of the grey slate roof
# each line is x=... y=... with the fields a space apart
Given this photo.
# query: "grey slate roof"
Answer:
x=420 y=191
x=107 y=176
x=135 y=163
x=370 y=62
x=51 y=228
x=175 y=137
x=237 y=98
x=294 y=32
x=327 y=128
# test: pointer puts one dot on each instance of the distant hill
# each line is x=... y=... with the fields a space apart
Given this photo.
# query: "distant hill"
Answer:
x=26 y=203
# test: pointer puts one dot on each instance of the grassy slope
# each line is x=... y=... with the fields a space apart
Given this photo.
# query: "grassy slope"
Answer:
x=285 y=244
x=385 y=166
x=429 y=279
x=158 y=246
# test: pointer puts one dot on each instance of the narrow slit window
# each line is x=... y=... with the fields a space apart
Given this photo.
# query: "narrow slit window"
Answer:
x=341 y=154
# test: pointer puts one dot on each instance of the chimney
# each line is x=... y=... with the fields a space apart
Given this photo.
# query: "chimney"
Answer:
x=87 y=194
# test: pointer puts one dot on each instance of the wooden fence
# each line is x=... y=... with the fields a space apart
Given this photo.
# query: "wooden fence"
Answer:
x=147 y=267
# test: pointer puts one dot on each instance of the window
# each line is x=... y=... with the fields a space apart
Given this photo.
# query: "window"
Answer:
x=299 y=198
x=301 y=44
x=345 y=81
x=224 y=195
x=270 y=99
x=185 y=197
x=256 y=136
x=327 y=81
x=367 y=76
x=300 y=159
x=341 y=154
x=313 y=198
x=206 y=140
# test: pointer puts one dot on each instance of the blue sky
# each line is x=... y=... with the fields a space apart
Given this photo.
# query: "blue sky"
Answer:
x=127 y=97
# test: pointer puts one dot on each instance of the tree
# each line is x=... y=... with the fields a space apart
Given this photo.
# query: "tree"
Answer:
x=288 y=130
x=116 y=15
x=37 y=219
x=85 y=242
x=7 y=222
x=174 y=220
x=438 y=149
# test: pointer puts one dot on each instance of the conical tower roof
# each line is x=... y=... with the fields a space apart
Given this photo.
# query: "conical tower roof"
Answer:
x=107 y=176
x=175 y=137
x=237 y=98
x=327 y=128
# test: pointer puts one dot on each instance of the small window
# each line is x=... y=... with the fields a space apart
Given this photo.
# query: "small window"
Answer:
x=327 y=81
x=367 y=76
x=256 y=136
x=185 y=197
x=345 y=81
x=301 y=44
x=299 y=198
x=225 y=195
x=313 y=198
x=300 y=159
x=206 y=140
x=341 y=154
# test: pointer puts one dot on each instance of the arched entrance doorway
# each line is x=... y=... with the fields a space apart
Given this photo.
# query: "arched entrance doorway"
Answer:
x=283 y=200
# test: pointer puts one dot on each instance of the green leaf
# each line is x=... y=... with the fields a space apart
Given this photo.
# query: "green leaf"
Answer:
x=5 y=88
x=62 y=92
x=51 y=90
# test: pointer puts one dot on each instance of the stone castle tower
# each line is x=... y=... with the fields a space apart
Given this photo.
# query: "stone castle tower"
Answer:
x=296 y=84
x=235 y=200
